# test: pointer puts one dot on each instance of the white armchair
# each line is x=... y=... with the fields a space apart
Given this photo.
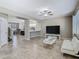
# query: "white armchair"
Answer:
x=71 y=47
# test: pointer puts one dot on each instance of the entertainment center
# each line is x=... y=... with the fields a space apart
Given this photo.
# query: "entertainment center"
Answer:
x=53 y=31
x=52 y=34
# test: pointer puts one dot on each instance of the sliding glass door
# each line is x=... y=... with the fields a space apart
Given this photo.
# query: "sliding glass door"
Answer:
x=76 y=23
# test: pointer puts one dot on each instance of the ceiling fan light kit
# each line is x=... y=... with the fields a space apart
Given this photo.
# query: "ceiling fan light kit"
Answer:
x=46 y=12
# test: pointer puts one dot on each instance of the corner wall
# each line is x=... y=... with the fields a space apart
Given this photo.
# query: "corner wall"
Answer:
x=65 y=25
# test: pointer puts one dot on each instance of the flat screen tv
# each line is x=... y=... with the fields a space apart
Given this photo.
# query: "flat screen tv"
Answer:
x=53 y=29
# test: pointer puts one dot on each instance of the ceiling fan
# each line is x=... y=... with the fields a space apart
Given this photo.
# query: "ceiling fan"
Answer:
x=46 y=12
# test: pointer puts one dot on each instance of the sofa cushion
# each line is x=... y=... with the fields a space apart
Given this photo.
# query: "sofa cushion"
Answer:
x=74 y=40
x=75 y=44
x=67 y=45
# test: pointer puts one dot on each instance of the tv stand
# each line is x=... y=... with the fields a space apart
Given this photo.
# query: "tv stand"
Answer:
x=54 y=35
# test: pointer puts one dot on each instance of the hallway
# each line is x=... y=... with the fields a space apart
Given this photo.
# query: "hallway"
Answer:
x=33 y=49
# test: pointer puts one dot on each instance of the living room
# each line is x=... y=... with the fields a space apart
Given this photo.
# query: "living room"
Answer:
x=45 y=29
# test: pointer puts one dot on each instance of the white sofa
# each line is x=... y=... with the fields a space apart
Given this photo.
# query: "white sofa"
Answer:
x=71 y=46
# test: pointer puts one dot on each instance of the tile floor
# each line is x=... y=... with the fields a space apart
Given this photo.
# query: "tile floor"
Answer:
x=33 y=49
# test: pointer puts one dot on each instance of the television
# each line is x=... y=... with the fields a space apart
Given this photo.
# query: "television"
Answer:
x=53 y=29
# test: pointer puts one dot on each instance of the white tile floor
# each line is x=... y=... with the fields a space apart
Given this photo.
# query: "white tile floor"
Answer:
x=33 y=49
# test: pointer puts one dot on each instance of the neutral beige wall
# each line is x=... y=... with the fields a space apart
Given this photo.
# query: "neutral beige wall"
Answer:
x=65 y=25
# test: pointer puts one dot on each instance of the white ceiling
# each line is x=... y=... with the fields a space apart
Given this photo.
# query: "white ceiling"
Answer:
x=32 y=7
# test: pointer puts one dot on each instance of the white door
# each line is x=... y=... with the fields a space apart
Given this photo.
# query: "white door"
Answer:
x=3 y=31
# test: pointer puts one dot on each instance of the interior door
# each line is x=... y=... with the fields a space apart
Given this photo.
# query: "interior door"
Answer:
x=4 y=30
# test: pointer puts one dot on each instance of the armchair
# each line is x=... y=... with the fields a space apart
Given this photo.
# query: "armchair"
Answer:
x=71 y=46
